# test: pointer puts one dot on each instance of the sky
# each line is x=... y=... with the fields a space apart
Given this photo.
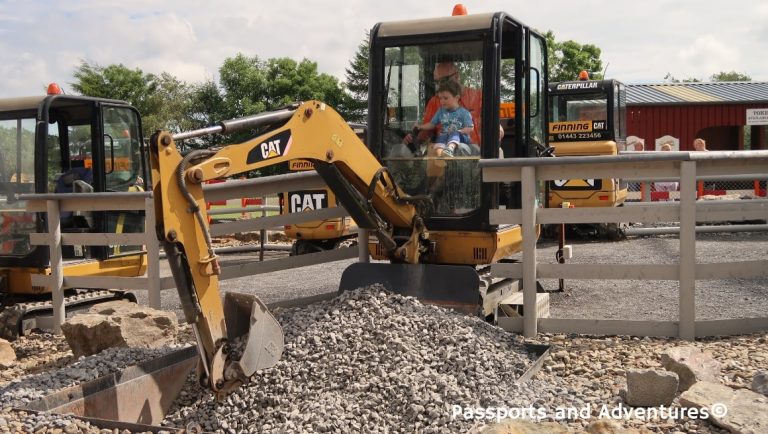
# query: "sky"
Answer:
x=45 y=40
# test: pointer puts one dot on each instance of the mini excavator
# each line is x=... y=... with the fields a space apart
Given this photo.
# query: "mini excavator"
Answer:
x=428 y=215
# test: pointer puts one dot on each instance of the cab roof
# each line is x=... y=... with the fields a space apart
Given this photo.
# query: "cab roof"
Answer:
x=436 y=25
x=21 y=103
x=25 y=103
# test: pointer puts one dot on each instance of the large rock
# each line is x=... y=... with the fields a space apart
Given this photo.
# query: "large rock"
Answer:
x=119 y=324
x=691 y=365
x=7 y=355
x=650 y=388
x=760 y=383
x=745 y=411
x=612 y=427
x=521 y=426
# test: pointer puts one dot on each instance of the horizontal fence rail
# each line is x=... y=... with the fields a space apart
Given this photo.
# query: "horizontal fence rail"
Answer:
x=687 y=167
x=54 y=204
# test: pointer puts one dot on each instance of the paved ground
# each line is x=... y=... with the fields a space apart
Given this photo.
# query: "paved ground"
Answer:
x=640 y=300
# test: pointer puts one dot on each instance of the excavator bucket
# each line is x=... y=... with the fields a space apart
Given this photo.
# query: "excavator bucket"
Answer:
x=247 y=316
x=452 y=286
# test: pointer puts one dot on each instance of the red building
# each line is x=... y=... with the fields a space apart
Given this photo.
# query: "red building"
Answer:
x=728 y=115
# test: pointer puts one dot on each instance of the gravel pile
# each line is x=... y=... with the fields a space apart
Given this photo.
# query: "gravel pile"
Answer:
x=369 y=360
x=29 y=422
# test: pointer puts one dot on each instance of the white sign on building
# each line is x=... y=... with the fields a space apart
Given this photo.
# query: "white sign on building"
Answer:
x=757 y=116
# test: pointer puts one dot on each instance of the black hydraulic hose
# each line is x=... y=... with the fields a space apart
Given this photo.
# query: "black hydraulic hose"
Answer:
x=193 y=207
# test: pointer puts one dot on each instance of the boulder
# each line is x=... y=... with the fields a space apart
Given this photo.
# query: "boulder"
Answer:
x=691 y=365
x=521 y=426
x=119 y=324
x=739 y=411
x=7 y=355
x=612 y=427
x=650 y=388
x=760 y=383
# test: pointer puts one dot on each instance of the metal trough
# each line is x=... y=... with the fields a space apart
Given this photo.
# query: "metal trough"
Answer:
x=140 y=394
x=541 y=351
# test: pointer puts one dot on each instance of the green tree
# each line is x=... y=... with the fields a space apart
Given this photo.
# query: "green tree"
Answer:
x=730 y=76
x=672 y=79
x=356 y=84
x=243 y=86
x=171 y=106
x=567 y=58
x=289 y=81
x=116 y=81
x=162 y=101
x=248 y=85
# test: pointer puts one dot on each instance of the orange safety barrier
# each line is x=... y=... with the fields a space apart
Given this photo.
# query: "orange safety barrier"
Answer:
x=759 y=191
x=247 y=201
x=208 y=205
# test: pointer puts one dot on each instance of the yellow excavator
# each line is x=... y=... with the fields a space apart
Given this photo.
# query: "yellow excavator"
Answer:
x=315 y=235
x=587 y=117
x=63 y=144
x=427 y=215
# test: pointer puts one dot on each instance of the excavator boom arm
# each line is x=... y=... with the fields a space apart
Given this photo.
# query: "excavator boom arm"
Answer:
x=312 y=131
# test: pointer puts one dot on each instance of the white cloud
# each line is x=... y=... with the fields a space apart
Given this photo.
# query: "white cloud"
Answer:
x=44 y=41
x=707 y=55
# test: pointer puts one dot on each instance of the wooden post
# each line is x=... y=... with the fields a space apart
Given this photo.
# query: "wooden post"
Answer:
x=363 y=255
x=530 y=320
x=687 y=284
x=153 y=254
x=57 y=265
x=263 y=232
x=645 y=192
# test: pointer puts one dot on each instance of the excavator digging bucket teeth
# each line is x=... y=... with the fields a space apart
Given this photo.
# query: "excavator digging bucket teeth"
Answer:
x=451 y=286
x=249 y=318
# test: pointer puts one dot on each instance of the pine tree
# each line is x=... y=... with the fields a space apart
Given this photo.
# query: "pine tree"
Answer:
x=356 y=86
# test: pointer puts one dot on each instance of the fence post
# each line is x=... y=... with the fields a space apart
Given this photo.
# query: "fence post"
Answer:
x=263 y=232
x=363 y=255
x=687 y=283
x=57 y=265
x=530 y=320
x=645 y=192
x=153 y=254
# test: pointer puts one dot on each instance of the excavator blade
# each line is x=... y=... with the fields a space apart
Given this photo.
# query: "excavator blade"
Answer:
x=451 y=286
x=248 y=317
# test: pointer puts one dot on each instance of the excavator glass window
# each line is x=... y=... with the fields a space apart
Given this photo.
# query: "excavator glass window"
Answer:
x=91 y=156
x=579 y=116
x=412 y=75
x=17 y=176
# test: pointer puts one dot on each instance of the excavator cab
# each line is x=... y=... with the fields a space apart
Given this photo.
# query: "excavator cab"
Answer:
x=64 y=144
x=500 y=65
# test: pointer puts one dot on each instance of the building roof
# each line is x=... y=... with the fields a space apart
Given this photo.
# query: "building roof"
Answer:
x=726 y=92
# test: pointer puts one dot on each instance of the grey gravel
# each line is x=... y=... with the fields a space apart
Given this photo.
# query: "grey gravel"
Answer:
x=375 y=360
x=655 y=299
